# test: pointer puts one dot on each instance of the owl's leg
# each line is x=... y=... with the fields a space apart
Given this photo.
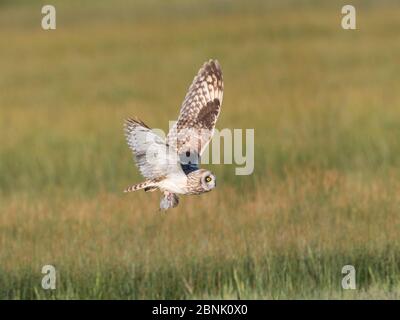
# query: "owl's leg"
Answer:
x=169 y=200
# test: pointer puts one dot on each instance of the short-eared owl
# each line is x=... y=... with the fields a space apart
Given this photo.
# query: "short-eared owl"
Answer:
x=172 y=165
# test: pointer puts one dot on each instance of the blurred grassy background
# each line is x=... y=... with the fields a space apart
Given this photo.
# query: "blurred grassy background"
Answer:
x=325 y=107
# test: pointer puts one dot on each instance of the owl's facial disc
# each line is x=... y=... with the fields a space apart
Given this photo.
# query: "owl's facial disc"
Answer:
x=208 y=181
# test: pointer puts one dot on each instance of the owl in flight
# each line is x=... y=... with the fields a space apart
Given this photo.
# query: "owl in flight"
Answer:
x=172 y=165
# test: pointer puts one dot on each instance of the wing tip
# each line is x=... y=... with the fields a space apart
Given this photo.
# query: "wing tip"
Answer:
x=132 y=122
x=214 y=64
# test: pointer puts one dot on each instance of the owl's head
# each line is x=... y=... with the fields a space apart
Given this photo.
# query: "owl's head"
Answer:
x=207 y=180
x=200 y=181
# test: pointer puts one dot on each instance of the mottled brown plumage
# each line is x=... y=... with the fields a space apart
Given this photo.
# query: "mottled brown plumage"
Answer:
x=199 y=112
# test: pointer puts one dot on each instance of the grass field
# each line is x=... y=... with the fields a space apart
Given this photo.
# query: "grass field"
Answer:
x=325 y=106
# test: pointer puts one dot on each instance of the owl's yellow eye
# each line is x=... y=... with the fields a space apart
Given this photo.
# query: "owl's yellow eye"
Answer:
x=208 y=179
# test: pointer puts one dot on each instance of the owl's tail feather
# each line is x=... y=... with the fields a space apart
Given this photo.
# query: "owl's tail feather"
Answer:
x=148 y=185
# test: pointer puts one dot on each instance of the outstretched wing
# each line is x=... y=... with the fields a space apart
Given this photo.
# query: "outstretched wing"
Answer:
x=153 y=157
x=199 y=112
